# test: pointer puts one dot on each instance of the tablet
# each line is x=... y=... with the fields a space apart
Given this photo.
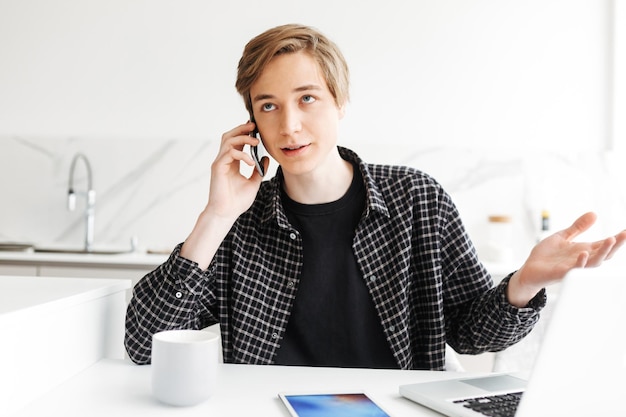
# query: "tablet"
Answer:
x=336 y=404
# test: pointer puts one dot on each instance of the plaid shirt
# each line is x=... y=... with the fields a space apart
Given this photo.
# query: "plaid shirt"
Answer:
x=420 y=267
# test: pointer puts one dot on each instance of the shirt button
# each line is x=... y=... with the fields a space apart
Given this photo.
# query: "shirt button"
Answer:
x=372 y=278
x=392 y=328
x=292 y=236
x=290 y=284
x=179 y=294
x=274 y=336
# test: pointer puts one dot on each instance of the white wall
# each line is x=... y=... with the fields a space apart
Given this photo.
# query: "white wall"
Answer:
x=509 y=103
x=618 y=133
x=481 y=72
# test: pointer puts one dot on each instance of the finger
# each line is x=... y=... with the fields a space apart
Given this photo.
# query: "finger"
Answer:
x=236 y=142
x=242 y=156
x=620 y=238
x=229 y=158
x=600 y=252
x=581 y=261
x=243 y=129
x=582 y=224
x=239 y=136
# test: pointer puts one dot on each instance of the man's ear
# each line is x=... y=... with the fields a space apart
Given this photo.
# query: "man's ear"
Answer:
x=341 y=111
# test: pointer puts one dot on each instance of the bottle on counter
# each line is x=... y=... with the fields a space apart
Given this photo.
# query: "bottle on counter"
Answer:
x=544 y=230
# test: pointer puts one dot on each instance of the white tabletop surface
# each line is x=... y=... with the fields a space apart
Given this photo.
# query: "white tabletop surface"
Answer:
x=119 y=388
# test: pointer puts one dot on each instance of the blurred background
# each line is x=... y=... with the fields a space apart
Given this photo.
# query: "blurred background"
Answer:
x=516 y=107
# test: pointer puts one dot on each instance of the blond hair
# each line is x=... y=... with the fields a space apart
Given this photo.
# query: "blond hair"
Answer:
x=290 y=39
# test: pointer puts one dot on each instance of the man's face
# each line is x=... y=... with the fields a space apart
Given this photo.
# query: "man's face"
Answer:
x=295 y=113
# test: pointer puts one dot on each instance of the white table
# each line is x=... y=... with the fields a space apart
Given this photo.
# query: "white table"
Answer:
x=119 y=388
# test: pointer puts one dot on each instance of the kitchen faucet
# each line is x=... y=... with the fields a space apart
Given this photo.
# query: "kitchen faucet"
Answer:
x=90 y=195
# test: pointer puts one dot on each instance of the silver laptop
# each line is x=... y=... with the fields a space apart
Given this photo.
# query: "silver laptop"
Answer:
x=580 y=369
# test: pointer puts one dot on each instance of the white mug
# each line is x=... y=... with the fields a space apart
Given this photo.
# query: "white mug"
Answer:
x=184 y=366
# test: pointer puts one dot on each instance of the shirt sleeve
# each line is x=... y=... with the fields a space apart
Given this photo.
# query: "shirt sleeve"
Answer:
x=490 y=323
x=478 y=315
x=165 y=299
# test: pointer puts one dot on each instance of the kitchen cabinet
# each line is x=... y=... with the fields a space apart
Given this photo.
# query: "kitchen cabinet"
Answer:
x=19 y=270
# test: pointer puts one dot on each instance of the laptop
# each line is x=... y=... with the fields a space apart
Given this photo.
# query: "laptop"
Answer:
x=580 y=369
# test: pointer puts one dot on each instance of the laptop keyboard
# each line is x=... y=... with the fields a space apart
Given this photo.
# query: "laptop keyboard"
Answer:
x=503 y=405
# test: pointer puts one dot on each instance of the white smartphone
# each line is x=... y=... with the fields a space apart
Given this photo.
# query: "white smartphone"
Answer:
x=255 y=153
x=336 y=404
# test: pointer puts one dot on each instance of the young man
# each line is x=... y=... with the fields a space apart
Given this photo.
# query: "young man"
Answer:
x=335 y=262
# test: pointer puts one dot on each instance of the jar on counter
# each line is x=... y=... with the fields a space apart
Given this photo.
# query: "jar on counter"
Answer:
x=499 y=247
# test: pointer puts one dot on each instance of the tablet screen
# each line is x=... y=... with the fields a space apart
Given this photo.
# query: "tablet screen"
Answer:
x=336 y=405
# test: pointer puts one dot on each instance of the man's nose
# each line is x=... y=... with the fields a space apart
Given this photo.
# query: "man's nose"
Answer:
x=290 y=121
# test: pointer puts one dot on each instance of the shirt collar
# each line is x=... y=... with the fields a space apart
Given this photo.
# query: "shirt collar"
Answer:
x=374 y=198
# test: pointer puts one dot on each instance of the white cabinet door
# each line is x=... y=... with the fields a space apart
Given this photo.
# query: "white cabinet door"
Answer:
x=19 y=270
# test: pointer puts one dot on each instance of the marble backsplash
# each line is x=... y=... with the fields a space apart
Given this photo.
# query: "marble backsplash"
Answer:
x=153 y=189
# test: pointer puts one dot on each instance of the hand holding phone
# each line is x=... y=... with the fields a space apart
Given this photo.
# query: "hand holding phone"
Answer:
x=254 y=151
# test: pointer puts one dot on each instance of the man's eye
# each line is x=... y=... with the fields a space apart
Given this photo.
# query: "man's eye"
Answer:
x=268 y=107
x=308 y=99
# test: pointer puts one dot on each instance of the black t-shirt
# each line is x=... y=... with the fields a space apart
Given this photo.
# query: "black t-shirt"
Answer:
x=334 y=321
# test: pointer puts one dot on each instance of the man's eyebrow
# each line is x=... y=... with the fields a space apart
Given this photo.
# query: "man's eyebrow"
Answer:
x=260 y=97
x=307 y=87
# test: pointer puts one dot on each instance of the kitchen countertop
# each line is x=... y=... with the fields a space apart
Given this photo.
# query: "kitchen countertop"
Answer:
x=142 y=260
x=131 y=260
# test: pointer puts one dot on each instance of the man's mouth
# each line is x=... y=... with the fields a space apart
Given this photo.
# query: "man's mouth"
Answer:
x=294 y=147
